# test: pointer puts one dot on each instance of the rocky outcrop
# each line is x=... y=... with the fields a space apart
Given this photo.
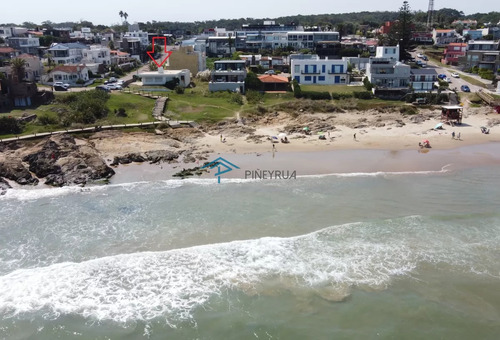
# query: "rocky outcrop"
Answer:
x=3 y=186
x=59 y=160
x=150 y=156
x=15 y=170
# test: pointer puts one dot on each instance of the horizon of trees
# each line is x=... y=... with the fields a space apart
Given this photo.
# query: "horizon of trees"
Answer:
x=348 y=22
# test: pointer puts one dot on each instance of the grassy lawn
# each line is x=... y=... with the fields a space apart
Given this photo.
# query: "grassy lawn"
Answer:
x=198 y=107
x=139 y=109
x=332 y=88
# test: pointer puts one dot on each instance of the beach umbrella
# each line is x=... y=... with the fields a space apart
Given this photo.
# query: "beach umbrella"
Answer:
x=321 y=133
x=439 y=126
x=282 y=135
x=306 y=128
x=425 y=141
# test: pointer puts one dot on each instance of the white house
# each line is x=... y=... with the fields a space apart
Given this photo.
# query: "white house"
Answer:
x=85 y=33
x=320 y=71
x=422 y=80
x=161 y=76
x=386 y=72
x=33 y=67
x=70 y=73
x=444 y=37
x=97 y=55
x=228 y=75
x=142 y=36
x=71 y=53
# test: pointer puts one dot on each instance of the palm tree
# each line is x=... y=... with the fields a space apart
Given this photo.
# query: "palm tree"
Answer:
x=18 y=67
x=121 y=14
x=125 y=15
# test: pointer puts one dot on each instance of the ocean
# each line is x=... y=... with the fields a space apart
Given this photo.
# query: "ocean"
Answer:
x=410 y=255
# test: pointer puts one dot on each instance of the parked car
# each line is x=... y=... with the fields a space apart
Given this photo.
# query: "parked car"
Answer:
x=448 y=80
x=270 y=72
x=455 y=75
x=114 y=86
x=425 y=58
x=60 y=88
x=60 y=83
x=442 y=76
x=420 y=55
x=112 y=80
x=465 y=88
x=102 y=88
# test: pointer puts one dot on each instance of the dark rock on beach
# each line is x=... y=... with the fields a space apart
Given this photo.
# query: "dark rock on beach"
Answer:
x=3 y=186
x=60 y=160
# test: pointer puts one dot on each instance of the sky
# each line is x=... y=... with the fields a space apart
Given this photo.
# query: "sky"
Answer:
x=106 y=11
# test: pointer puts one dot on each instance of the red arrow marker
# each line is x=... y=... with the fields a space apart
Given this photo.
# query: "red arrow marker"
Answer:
x=150 y=54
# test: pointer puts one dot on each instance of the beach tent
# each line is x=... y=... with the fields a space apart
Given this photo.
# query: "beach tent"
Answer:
x=282 y=135
x=439 y=126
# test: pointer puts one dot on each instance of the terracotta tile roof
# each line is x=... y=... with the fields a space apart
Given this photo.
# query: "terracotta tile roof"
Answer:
x=68 y=68
x=269 y=78
x=7 y=50
x=26 y=56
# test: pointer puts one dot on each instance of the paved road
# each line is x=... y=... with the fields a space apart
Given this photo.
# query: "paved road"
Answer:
x=456 y=83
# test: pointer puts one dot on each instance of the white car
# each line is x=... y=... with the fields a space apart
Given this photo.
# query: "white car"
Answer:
x=420 y=55
x=60 y=83
x=447 y=80
x=114 y=86
x=455 y=75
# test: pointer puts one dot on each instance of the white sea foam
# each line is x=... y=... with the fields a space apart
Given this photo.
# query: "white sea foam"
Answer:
x=171 y=284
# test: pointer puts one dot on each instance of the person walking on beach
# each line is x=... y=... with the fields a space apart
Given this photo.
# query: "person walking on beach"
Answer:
x=221 y=137
x=453 y=135
x=354 y=136
x=458 y=136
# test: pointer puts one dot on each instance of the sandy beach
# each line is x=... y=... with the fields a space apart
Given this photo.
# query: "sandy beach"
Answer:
x=385 y=142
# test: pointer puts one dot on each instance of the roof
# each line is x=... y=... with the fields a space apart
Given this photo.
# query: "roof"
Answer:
x=458 y=44
x=452 y=107
x=229 y=62
x=269 y=78
x=68 y=68
x=7 y=50
x=448 y=30
x=25 y=56
x=68 y=46
x=426 y=71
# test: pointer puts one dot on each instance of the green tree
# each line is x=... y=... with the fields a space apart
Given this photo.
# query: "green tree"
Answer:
x=10 y=125
x=252 y=82
x=125 y=15
x=111 y=45
x=18 y=67
x=121 y=15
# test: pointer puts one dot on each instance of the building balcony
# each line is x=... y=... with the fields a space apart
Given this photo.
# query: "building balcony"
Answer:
x=310 y=73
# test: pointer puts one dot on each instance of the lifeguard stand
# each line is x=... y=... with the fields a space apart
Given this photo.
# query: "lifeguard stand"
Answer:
x=452 y=114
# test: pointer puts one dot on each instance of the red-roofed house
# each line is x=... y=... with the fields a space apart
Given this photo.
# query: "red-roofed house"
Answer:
x=70 y=73
x=453 y=52
x=274 y=83
x=444 y=37
x=6 y=53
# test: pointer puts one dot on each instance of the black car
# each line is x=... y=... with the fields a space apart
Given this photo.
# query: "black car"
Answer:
x=102 y=88
x=465 y=88
x=60 y=88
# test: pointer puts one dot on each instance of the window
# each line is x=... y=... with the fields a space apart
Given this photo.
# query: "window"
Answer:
x=297 y=69
x=323 y=69
x=321 y=78
x=307 y=78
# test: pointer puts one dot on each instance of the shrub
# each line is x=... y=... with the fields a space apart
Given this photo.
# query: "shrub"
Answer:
x=341 y=95
x=121 y=112
x=47 y=119
x=316 y=95
x=297 y=91
x=254 y=97
x=408 y=110
x=363 y=95
x=236 y=98
x=252 y=82
x=486 y=74
x=80 y=81
x=367 y=84
x=179 y=89
x=171 y=84
x=10 y=125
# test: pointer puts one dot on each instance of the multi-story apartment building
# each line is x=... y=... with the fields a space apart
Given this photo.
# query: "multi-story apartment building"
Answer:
x=422 y=80
x=28 y=45
x=453 y=52
x=386 y=72
x=228 y=75
x=444 y=37
x=483 y=54
x=70 y=53
x=96 y=55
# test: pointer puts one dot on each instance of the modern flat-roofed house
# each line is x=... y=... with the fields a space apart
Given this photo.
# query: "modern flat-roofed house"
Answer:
x=97 y=55
x=70 y=73
x=228 y=75
x=320 y=71
x=160 y=77
x=70 y=53
x=453 y=52
x=29 y=45
x=423 y=79
x=485 y=54
x=386 y=73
